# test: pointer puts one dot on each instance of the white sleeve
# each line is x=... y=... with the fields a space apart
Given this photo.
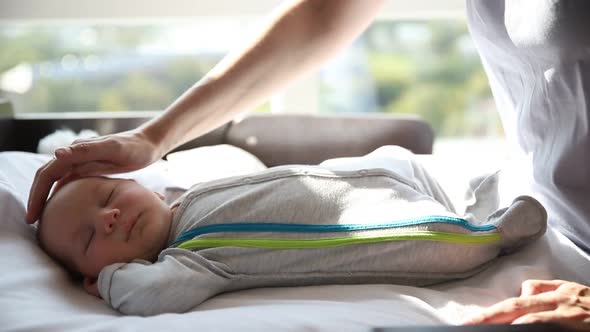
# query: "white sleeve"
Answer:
x=175 y=283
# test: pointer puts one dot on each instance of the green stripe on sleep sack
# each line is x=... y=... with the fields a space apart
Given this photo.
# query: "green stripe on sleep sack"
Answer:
x=271 y=243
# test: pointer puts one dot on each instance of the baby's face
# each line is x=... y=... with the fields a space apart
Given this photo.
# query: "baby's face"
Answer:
x=93 y=222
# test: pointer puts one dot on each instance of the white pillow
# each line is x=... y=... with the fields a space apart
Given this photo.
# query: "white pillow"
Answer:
x=18 y=170
x=209 y=163
x=12 y=209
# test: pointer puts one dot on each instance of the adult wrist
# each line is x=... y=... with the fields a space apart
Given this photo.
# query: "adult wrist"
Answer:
x=154 y=135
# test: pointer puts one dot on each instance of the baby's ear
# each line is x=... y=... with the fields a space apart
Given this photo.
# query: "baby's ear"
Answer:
x=159 y=195
x=91 y=287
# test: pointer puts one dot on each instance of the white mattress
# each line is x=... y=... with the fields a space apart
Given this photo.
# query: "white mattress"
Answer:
x=36 y=295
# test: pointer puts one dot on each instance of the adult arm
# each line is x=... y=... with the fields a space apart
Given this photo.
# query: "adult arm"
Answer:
x=299 y=37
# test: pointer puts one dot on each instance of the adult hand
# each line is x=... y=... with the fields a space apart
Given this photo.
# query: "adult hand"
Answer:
x=542 y=301
x=117 y=153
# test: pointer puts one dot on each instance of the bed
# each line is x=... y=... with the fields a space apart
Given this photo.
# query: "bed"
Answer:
x=37 y=295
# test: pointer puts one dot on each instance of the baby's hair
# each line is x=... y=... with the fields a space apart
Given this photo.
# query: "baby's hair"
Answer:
x=75 y=275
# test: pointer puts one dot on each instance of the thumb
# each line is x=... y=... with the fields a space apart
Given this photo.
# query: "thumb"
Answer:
x=84 y=151
x=534 y=287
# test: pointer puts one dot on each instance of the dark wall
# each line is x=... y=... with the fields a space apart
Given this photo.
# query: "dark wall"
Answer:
x=23 y=134
x=6 y=134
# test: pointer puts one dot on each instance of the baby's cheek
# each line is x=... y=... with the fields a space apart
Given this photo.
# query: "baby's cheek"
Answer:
x=133 y=197
x=107 y=254
x=148 y=242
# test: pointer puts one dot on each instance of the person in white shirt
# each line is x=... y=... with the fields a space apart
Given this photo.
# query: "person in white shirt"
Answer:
x=536 y=54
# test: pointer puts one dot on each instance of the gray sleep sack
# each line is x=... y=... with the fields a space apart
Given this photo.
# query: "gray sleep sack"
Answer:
x=308 y=225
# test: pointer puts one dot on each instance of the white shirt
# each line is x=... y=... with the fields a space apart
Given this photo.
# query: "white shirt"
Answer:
x=537 y=57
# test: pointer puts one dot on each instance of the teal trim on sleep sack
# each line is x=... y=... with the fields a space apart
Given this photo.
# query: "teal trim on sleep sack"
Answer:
x=310 y=228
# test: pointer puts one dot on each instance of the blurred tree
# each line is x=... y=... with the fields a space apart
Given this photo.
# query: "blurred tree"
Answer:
x=142 y=92
x=426 y=67
x=393 y=74
x=110 y=100
x=26 y=45
x=184 y=71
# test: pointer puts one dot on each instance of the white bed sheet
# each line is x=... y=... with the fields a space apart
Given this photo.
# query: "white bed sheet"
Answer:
x=36 y=295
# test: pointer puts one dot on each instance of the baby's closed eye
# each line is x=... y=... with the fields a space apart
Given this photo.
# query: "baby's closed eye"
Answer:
x=109 y=196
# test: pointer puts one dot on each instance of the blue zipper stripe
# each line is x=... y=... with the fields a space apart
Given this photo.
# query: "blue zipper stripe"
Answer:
x=310 y=228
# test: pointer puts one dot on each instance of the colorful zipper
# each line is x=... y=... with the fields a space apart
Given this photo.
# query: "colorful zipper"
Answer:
x=338 y=241
x=310 y=228
x=189 y=236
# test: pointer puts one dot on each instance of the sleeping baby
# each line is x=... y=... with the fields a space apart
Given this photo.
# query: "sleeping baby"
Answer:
x=335 y=223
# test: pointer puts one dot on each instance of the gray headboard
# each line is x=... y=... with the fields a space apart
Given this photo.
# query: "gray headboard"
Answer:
x=276 y=139
x=306 y=139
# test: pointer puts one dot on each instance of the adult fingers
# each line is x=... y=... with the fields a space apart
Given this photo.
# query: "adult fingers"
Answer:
x=66 y=151
x=509 y=310
x=534 y=287
x=89 y=150
x=556 y=316
x=45 y=176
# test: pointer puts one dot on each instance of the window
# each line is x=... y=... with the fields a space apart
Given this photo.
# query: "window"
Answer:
x=108 y=67
x=409 y=63
x=428 y=67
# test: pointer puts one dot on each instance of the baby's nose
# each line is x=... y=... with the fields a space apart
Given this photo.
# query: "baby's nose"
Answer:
x=109 y=218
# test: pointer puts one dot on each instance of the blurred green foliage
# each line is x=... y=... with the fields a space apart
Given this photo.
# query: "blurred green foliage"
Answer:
x=423 y=67
x=438 y=75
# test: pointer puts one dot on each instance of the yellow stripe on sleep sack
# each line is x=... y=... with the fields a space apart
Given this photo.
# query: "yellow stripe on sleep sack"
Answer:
x=270 y=243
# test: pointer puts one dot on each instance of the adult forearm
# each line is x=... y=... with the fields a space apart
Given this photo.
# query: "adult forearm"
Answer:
x=299 y=37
